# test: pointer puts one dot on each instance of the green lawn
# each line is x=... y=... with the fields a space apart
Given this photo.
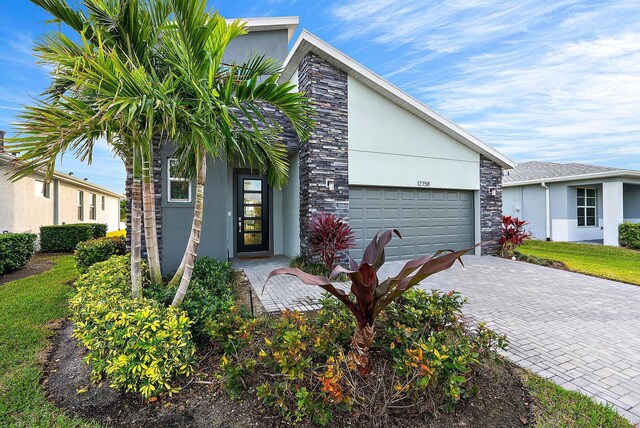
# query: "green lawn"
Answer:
x=26 y=306
x=560 y=408
x=619 y=264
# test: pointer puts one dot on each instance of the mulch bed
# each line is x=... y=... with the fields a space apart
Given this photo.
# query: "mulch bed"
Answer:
x=39 y=263
x=502 y=400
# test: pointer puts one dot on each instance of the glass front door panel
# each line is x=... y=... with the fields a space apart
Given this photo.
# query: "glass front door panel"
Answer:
x=252 y=199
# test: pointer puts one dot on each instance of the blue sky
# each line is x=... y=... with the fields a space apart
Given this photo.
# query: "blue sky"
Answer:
x=556 y=81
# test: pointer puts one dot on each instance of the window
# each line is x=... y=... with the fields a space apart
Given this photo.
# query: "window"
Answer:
x=102 y=202
x=42 y=189
x=586 y=207
x=80 y=205
x=179 y=188
x=92 y=206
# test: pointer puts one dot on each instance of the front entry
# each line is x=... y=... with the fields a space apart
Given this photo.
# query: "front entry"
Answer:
x=253 y=213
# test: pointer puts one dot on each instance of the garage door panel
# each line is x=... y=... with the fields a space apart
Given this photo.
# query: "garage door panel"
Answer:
x=428 y=219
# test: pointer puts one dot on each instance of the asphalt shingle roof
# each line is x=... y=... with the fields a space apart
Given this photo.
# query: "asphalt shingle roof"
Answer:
x=529 y=171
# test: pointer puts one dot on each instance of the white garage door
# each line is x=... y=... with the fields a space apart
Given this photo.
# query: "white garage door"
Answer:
x=428 y=219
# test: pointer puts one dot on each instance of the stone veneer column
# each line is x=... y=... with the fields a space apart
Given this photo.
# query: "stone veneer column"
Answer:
x=490 y=205
x=324 y=156
x=157 y=182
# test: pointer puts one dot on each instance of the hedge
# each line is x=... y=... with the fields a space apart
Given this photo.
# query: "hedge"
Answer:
x=630 y=235
x=93 y=251
x=15 y=250
x=65 y=238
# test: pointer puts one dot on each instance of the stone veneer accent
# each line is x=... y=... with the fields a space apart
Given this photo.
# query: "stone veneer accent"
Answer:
x=157 y=182
x=490 y=206
x=325 y=155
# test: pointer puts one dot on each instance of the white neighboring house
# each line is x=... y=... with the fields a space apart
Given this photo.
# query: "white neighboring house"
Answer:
x=27 y=204
x=572 y=201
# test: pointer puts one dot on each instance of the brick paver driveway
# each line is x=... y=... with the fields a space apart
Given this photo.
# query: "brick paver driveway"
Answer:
x=582 y=332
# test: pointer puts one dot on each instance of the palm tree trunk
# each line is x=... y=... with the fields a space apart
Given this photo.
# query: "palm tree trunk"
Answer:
x=178 y=275
x=136 y=228
x=149 y=206
x=196 y=230
x=360 y=346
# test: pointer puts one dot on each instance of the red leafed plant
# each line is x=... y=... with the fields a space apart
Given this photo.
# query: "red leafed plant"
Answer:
x=369 y=296
x=513 y=235
x=330 y=235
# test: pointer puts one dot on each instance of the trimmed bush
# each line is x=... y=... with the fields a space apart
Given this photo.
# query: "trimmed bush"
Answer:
x=15 y=250
x=211 y=292
x=64 y=238
x=138 y=345
x=630 y=235
x=93 y=251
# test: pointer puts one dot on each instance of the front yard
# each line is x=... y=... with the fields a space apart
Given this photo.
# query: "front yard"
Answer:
x=618 y=264
x=30 y=306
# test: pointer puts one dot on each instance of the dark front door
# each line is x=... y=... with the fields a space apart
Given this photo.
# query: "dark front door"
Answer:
x=253 y=213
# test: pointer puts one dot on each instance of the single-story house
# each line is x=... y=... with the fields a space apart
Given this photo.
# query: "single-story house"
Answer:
x=377 y=157
x=572 y=202
x=29 y=203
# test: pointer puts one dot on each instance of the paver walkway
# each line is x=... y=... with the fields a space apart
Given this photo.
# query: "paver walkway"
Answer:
x=582 y=332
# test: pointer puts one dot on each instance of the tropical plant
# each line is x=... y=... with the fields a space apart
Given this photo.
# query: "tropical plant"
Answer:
x=369 y=296
x=329 y=237
x=104 y=86
x=228 y=109
x=513 y=235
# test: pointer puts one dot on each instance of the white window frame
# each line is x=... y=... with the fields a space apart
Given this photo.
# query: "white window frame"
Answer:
x=93 y=199
x=80 y=205
x=586 y=206
x=171 y=179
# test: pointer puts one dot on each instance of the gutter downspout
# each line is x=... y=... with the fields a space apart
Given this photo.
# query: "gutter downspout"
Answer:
x=547 y=210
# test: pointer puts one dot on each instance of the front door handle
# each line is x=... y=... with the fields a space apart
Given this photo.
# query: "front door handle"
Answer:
x=239 y=224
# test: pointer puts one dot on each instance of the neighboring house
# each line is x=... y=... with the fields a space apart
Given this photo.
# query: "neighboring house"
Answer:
x=28 y=203
x=377 y=157
x=573 y=201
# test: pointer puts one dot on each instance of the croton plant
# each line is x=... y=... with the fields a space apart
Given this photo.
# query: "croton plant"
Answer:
x=369 y=296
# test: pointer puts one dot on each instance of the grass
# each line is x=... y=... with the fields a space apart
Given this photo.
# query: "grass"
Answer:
x=27 y=305
x=619 y=264
x=122 y=232
x=560 y=408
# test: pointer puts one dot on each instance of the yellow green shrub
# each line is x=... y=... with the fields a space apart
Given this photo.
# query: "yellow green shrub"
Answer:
x=138 y=345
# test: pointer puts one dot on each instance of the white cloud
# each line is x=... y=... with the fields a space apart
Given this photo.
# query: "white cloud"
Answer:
x=538 y=80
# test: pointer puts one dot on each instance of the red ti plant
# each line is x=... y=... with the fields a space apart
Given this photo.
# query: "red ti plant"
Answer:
x=513 y=235
x=369 y=296
x=329 y=236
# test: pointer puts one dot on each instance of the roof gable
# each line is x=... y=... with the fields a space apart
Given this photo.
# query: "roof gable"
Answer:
x=307 y=42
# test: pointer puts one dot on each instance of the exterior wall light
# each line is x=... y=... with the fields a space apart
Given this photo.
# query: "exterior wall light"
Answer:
x=493 y=191
x=331 y=184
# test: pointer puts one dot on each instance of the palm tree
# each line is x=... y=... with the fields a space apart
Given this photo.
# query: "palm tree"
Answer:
x=130 y=29
x=226 y=109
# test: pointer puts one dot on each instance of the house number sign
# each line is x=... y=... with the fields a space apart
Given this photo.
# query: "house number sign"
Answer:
x=424 y=183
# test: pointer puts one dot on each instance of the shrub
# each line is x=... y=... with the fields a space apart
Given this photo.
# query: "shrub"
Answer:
x=211 y=293
x=139 y=345
x=15 y=250
x=630 y=235
x=329 y=236
x=298 y=364
x=65 y=238
x=513 y=235
x=370 y=296
x=93 y=251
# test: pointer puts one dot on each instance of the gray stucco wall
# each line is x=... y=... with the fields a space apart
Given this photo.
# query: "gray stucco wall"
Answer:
x=527 y=203
x=177 y=216
x=631 y=194
x=274 y=44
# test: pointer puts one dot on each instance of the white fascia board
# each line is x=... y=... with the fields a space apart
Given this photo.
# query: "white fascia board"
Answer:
x=608 y=174
x=289 y=23
x=307 y=42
